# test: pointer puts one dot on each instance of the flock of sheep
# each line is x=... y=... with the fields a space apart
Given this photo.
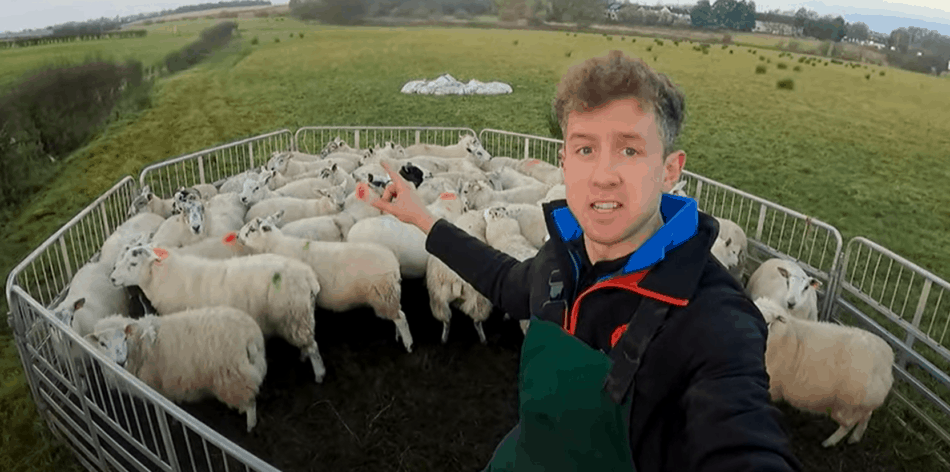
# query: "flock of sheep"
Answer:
x=176 y=287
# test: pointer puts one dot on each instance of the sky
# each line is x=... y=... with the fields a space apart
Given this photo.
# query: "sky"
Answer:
x=26 y=14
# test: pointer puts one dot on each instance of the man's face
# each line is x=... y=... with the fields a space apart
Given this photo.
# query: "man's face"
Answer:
x=615 y=172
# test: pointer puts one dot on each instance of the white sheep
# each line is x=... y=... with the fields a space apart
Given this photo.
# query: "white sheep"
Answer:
x=282 y=163
x=191 y=355
x=318 y=228
x=141 y=224
x=503 y=233
x=825 y=367
x=335 y=175
x=530 y=219
x=478 y=195
x=351 y=275
x=278 y=292
x=329 y=201
x=235 y=184
x=506 y=178
x=448 y=206
x=786 y=283
x=543 y=171
x=678 y=189
x=224 y=247
x=257 y=189
x=457 y=150
x=338 y=145
x=448 y=289
x=406 y=241
x=182 y=229
x=91 y=297
x=557 y=192
x=496 y=163
x=730 y=246
x=146 y=201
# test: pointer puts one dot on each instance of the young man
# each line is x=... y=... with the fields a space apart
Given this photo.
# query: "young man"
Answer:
x=643 y=353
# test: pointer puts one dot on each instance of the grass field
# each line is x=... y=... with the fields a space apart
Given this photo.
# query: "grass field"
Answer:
x=868 y=156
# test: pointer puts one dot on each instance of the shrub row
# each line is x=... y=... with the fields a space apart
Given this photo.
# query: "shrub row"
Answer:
x=212 y=39
x=51 y=113
x=24 y=42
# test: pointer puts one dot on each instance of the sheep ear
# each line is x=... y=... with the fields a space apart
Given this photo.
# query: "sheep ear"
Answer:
x=79 y=304
x=729 y=241
x=333 y=167
x=129 y=329
x=265 y=227
x=159 y=254
x=781 y=270
x=815 y=283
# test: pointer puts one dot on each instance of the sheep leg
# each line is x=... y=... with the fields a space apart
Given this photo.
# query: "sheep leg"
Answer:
x=251 y=416
x=834 y=438
x=846 y=420
x=402 y=330
x=859 y=430
x=313 y=352
x=481 y=332
x=442 y=312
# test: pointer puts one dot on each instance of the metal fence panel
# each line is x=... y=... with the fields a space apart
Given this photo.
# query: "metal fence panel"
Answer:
x=312 y=139
x=519 y=146
x=214 y=165
x=907 y=306
x=773 y=231
x=110 y=419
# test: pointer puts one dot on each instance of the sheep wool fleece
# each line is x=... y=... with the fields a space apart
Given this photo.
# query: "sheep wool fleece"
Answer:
x=653 y=362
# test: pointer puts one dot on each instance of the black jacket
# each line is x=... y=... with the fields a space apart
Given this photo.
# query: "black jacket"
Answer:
x=701 y=399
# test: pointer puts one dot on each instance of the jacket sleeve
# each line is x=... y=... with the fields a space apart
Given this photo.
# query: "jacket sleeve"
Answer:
x=499 y=277
x=732 y=426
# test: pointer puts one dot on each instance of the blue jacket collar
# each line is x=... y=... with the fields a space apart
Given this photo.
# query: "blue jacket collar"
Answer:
x=680 y=222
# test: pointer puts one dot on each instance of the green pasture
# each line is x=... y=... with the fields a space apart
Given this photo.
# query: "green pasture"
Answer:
x=868 y=156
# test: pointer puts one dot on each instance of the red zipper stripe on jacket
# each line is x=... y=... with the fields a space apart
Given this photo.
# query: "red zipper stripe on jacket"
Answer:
x=627 y=282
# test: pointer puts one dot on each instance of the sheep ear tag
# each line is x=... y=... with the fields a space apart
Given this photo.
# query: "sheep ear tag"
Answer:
x=229 y=238
x=447 y=196
x=161 y=253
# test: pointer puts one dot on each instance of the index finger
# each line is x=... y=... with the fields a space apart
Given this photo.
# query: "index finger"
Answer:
x=393 y=175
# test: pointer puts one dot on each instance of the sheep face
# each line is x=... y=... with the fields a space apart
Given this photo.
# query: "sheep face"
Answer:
x=255 y=233
x=255 y=189
x=472 y=193
x=495 y=213
x=194 y=214
x=278 y=163
x=112 y=342
x=494 y=178
x=412 y=174
x=132 y=266
x=481 y=155
x=139 y=204
x=183 y=197
x=799 y=285
x=333 y=174
x=331 y=147
x=68 y=311
x=337 y=194
x=378 y=182
x=727 y=251
x=366 y=155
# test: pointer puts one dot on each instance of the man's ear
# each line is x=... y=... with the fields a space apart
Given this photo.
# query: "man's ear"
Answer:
x=673 y=168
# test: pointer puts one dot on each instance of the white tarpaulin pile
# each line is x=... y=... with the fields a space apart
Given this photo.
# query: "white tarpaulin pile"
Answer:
x=447 y=85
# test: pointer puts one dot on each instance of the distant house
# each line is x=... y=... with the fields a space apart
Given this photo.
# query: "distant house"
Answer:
x=613 y=11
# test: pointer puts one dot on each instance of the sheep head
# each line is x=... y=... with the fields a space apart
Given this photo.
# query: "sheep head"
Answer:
x=255 y=188
x=278 y=162
x=473 y=192
x=194 y=213
x=770 y=310
x=112 y=342
x=495 y=213
x=799 y=284
x=133 y=265
x=478 y=154
x=67 y=312
x=336 y=193
x=255 y=234
x=412 y=174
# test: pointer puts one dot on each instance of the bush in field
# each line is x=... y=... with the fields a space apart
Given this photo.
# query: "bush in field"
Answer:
x=786 y=84
x=798 y=68
x=52 y=112
x=760 y=69
x=211 y=39
x=254 y=40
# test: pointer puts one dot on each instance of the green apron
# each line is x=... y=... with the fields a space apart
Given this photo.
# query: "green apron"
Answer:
x=568 y=421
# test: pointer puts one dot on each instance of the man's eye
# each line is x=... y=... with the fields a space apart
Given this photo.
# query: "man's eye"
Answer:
x=630 y=151
x=585 y=150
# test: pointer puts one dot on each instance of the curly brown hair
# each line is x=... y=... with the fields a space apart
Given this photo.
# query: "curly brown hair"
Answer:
x=599 y=80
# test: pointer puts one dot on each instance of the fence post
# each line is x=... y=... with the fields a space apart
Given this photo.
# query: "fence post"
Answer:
x=356 y=139
x=250 y=152
x=62 y=245
x=527 y=146
x=201 y=169
x=418 y=136
x=918 y=314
